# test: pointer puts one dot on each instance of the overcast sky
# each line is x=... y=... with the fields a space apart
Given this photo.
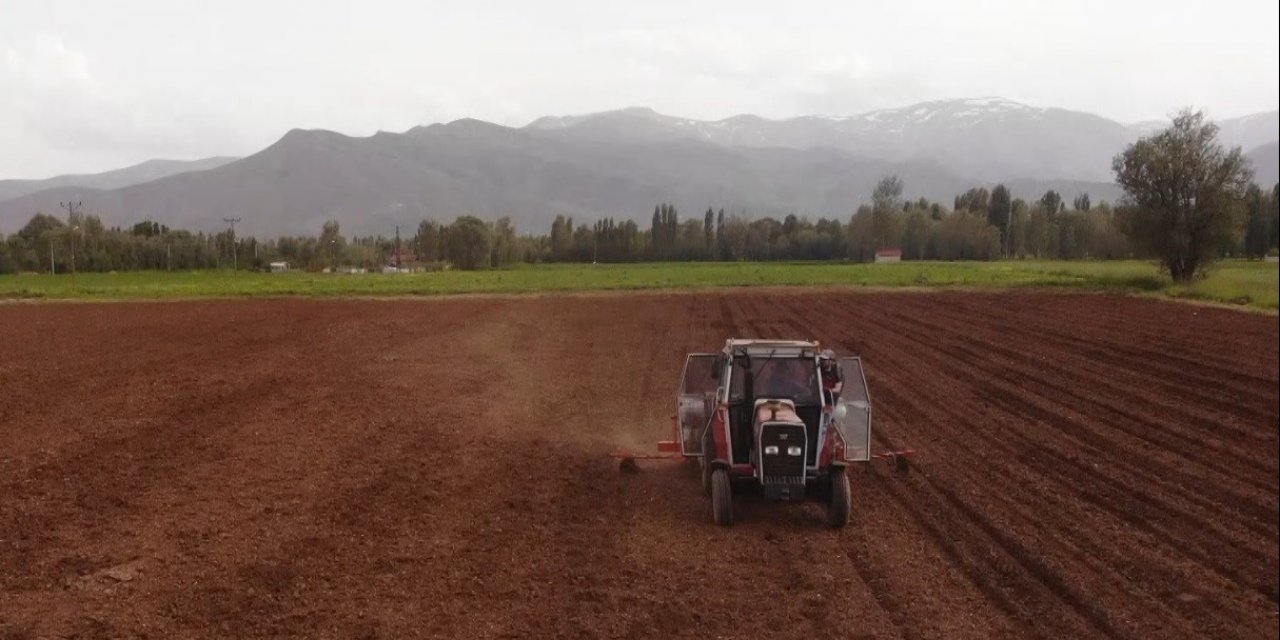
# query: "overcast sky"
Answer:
x=92 y=85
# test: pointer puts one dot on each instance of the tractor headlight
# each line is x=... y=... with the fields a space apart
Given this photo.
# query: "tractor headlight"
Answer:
x=771 y=450
x=794 y=451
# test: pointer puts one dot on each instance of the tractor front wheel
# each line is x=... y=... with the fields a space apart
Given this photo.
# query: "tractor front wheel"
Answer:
x=840 y=500
x=721 y=498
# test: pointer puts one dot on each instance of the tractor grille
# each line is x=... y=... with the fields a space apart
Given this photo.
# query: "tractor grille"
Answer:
x=782 y=467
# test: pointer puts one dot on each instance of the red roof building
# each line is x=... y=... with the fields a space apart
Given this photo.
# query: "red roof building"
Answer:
x=889 y=254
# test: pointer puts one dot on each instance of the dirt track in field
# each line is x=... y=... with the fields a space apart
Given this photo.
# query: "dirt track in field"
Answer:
x=1090 y=467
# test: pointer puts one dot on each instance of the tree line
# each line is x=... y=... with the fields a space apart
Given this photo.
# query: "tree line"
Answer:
x=83 y=243
x=1188 y=201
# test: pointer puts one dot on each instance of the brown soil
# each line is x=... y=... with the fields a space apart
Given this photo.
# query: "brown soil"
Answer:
x=1089 y=466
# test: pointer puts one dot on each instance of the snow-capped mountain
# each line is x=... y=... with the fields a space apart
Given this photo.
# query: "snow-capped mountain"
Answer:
x=1250 y=131
x=1146 y=127
x=620 y=163
x=982 y=138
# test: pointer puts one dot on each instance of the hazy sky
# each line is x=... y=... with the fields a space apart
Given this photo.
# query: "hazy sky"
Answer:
x=91 y=85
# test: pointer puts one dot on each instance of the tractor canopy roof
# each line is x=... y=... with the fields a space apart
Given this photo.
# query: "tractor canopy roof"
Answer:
x=771 y=348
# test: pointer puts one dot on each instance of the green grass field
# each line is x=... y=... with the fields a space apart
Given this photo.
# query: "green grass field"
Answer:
x=1246 y=283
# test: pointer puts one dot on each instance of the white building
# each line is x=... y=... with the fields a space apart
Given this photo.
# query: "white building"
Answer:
x=889 y=255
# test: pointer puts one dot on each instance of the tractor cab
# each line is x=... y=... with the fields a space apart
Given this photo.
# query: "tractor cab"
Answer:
x=773 y=375
x=758 y=411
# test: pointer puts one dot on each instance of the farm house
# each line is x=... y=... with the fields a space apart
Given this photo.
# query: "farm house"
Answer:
x=889 y=255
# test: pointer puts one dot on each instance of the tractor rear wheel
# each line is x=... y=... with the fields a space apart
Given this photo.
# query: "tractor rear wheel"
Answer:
x=840 y=501
x=705 y=464
x=721 y=498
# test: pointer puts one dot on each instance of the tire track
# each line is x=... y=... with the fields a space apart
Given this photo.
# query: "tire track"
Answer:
x=1238 y=564
x=881 y=388
x=437 y=469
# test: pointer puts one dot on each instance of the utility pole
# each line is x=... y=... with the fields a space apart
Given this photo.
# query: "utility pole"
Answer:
x=71 y=237
x=232 y=222
x=1008 y=226
x=71 y=209
x=397 y=248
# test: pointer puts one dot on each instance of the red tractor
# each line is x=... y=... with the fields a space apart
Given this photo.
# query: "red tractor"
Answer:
x=776 y=414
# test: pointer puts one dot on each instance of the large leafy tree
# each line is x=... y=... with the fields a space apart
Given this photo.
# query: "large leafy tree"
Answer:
x=1256 y=240
x=504 y=243
x=999 y=211
x=45 y=235
x=1185 y=192
x=886 y=213
x=1051 y=202
x=331 y=241
x=468 y=242
x=1273 y=206
x=39 y=226
x=887 y=197
x=974 y=200
x=1081 y=203
x=7 y=264
x=427 y=241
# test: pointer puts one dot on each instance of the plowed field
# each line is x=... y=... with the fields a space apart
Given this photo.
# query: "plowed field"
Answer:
x=1089 y=466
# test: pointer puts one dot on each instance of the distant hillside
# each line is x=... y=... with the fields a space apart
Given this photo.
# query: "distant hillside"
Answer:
x=371 y=184
x=1265 y=160
x=620 y=164
x=136 y=174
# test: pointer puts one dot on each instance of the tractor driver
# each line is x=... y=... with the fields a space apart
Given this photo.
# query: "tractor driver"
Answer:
x=832 y=380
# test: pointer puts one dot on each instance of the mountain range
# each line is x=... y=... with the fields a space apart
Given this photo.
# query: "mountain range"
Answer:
x=621 y=163
x=990 y=139
x=136 y=174
x=1266 y=163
